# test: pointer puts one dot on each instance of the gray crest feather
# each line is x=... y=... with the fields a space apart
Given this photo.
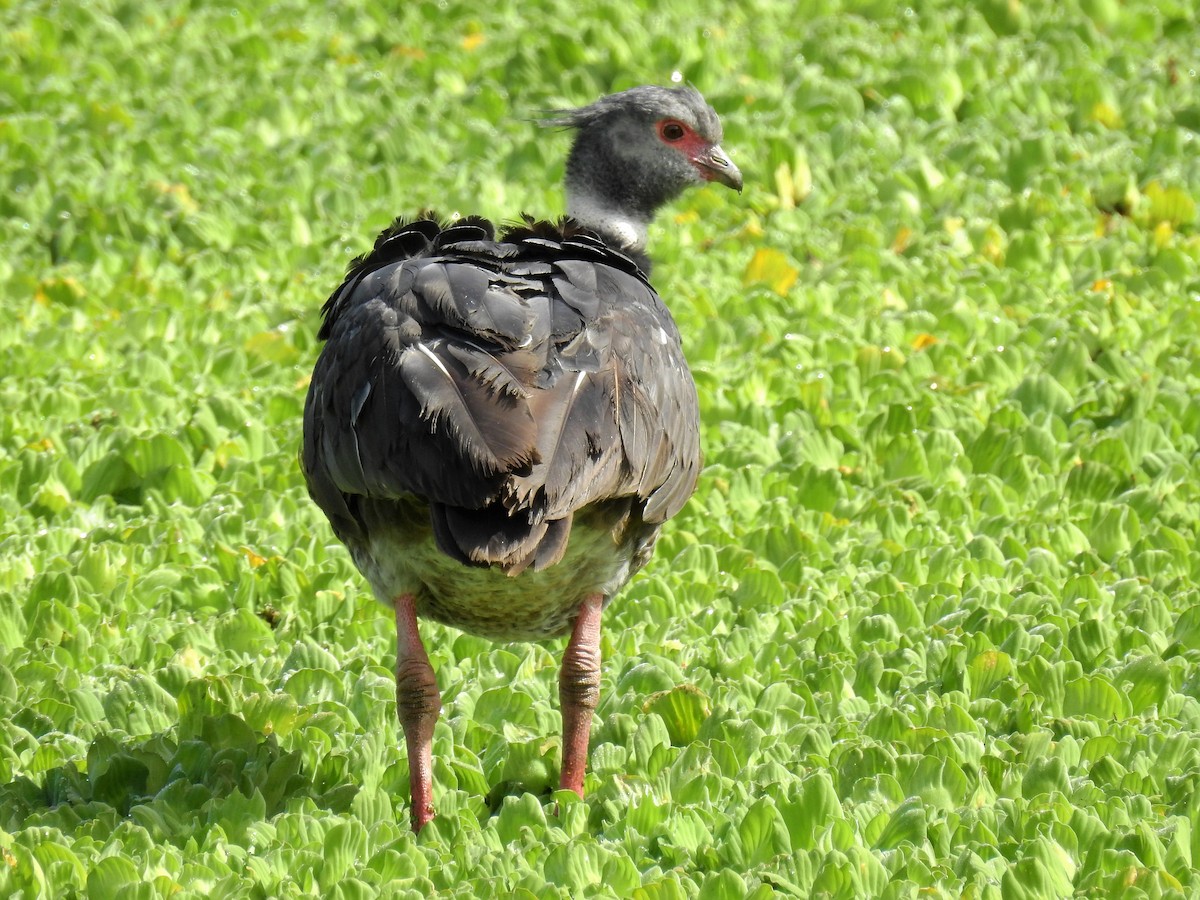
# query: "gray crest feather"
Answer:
x=650 y=101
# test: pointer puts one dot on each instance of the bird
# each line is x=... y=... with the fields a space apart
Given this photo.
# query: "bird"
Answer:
x=500 y=421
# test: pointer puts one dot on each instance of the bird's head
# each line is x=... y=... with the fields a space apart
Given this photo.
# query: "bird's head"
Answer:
x=635 y=151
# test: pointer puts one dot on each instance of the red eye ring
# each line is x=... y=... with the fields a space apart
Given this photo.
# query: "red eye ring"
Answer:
x=671 y=131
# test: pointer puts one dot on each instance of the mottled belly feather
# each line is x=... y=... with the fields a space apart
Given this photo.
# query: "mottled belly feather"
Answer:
x=401 y=557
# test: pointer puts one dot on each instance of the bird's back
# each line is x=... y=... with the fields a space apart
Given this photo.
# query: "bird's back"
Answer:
x=489 y=407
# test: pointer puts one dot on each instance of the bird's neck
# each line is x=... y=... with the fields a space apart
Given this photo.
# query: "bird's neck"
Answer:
x=623 y=230
x=606 y=193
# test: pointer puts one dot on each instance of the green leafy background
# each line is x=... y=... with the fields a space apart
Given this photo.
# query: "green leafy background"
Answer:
x=930 y=626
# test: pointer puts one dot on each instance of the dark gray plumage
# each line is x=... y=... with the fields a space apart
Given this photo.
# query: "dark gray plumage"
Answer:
x=499 y=425
x=499 y=388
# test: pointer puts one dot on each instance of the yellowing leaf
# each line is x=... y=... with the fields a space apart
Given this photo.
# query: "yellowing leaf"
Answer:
x=771 y=267
x=301 y=233
x=1101 y=284
x=66 y=291
x=784 y=187
x=253 y=558
x=1106 y=114
x=109 y=114
x=752 y=229
x=801 y=177
x=473 y=42
x=923 y=341
x=184 y=201
x=902 y=239
x=991 y=245
x=1170 y=204
x=793 y=182
x=272 y=346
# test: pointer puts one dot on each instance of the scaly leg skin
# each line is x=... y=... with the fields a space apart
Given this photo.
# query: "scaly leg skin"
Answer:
x=418 y=704
x=579 y=691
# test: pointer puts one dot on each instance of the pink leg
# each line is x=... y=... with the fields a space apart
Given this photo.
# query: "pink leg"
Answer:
x=418 y=704
x=579 y=691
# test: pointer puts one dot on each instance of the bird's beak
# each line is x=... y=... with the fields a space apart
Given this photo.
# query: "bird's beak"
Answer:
x=714 y=165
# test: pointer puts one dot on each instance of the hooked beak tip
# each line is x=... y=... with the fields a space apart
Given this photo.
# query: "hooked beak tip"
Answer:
x=715 y=165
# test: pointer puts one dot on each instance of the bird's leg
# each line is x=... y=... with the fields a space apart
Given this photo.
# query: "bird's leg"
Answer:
x=579 y=691
x=418 y=704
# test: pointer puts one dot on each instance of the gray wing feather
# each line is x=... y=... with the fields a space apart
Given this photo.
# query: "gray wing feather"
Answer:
x=493 y=430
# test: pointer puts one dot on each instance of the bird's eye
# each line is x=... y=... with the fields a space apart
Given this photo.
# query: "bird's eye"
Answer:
x=671 y=131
